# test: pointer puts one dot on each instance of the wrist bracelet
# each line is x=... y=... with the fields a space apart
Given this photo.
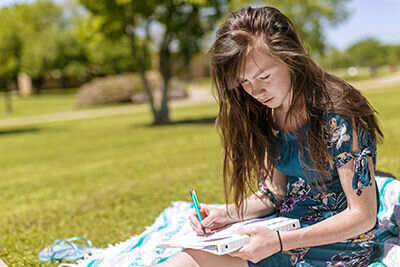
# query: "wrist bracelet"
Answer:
x=280 y=241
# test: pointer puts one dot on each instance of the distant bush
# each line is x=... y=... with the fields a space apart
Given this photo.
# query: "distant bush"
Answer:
x=125 y=88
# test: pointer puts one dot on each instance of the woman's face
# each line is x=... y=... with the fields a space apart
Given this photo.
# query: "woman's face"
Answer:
x=267 y=79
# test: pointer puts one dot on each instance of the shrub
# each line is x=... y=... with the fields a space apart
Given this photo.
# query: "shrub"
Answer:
x=125 y=88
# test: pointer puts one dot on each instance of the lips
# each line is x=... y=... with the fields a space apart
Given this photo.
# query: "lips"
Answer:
x=266 y=101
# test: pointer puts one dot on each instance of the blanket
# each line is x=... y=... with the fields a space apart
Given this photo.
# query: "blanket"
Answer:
x=141 y=250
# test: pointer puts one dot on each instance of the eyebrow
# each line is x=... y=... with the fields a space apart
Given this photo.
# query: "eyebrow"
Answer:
x=242 y=79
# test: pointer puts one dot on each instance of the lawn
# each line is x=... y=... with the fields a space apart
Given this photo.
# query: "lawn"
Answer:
x=107 y=178
x=38 y=104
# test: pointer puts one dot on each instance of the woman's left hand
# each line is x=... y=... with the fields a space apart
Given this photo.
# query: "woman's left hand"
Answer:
x=263 y=243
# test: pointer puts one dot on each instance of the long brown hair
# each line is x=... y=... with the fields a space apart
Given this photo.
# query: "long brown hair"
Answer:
x=246 y=126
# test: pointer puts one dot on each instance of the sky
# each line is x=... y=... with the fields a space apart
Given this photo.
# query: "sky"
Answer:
x=368 y=18
x=379 y=19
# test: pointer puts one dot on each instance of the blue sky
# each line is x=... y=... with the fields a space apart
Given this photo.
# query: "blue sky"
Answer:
x=369 y=18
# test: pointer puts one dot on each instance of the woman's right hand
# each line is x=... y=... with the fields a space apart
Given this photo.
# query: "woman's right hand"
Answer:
x=213 y=218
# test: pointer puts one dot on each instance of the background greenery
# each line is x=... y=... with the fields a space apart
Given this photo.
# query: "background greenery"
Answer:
x=107 y=178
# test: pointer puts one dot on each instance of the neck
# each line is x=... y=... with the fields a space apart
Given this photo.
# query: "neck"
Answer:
x=292 y=123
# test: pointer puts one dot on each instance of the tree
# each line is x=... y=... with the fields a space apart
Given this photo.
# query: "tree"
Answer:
x=10 y=47
x=27 y=32
x=367 y=52
x=105 y=55
x=182 y=25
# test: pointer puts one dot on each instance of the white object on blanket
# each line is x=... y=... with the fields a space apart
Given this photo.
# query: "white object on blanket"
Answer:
x=141 y=250
x=225 y=241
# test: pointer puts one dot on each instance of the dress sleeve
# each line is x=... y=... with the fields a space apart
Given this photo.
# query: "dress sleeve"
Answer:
x=265 y=190
x=340 y=146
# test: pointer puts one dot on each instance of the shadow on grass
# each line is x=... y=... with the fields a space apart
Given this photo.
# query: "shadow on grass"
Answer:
x=199 y=121
x=18 y=131
x=206 y=120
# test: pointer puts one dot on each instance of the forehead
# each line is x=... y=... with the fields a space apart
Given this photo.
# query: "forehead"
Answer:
x=257 y=60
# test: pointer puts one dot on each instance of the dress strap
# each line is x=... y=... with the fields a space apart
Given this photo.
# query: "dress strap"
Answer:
x=362 y=176
x=266 y=191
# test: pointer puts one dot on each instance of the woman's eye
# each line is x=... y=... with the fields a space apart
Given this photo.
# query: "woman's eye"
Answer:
x=265 y=77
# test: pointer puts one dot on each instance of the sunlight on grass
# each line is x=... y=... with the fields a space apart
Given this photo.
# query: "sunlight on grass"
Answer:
x=107 y=178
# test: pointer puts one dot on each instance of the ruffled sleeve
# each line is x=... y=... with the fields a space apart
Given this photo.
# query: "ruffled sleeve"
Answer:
x=265 y=190
x=340 y=145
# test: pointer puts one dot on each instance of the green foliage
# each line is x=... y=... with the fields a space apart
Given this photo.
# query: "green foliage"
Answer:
x=366 y=52
x=106 y=55
x=36 y=39
x=10 y=48
x=182 y=24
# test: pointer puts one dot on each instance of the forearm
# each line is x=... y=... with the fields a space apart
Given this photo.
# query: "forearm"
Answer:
x=255 y=206
x=345 y=225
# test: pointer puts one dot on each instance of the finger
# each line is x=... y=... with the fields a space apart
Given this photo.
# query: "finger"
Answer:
x=246 y=231
x=204 y=211
x=195 y=224
x=238 y=254
x=209 y=219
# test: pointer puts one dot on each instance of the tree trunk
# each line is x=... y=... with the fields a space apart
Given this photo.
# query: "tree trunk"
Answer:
x=165 y=69
x=141 y=67
x=38 y=83
x=159 y=108
x=8 y=101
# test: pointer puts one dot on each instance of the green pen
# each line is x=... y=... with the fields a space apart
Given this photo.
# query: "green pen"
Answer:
x=196 y=207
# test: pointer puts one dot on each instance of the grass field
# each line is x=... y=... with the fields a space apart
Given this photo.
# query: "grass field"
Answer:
x=107 y=178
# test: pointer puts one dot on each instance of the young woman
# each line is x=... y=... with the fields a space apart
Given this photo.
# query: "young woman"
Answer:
x=308 y=136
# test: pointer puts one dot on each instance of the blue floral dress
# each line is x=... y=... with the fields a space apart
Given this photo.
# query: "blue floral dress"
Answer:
x=311 y=204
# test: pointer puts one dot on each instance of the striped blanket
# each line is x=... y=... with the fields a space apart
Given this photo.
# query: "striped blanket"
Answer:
x=141 y=250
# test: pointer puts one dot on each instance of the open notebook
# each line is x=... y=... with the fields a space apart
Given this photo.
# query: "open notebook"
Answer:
x=223 y=240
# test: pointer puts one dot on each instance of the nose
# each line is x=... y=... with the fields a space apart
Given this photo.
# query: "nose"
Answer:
x=259 y=87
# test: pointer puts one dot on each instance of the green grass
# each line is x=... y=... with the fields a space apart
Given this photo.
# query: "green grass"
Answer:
x=45 y=103
x=107 y=178
x=38 y=104
x=386 y=100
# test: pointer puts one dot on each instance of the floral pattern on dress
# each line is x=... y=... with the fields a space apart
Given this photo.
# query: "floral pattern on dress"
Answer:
x=266 y=191
x=297 y=255
x=311 y=206
x=360 y=257
x=362 y=176
x=337 y=133
x=340 y=146
x=319 y=206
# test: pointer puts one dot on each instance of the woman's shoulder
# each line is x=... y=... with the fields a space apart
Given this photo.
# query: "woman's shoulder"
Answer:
x=332 y=118
x=339 y=130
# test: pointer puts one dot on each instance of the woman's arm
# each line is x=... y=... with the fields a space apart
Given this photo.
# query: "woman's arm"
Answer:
x=358 y=218
x=258 y=204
